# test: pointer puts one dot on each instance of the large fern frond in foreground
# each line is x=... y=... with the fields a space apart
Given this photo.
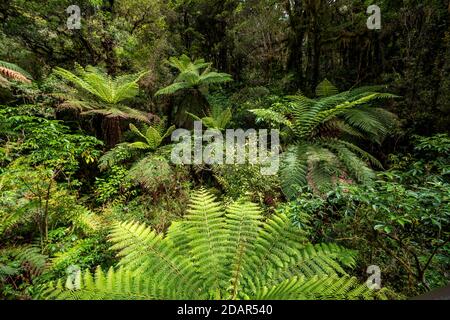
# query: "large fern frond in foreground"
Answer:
x=13 y=72
x=192 y=74
x=218 y=254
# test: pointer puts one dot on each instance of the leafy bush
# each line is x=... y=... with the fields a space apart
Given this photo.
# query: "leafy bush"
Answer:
x=113 y=186
x=32 y=203
x=40 y=141
x=246 y=180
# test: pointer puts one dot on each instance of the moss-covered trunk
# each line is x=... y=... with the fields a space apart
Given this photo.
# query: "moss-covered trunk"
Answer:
x=192 y=101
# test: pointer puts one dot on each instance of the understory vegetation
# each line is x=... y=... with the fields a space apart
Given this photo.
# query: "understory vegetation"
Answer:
x=93 y=206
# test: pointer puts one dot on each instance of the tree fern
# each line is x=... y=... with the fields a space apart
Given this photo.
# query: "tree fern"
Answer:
x=151 y=136
x=217 y=254
x=150 y=169
x=217 y=119
x=192 y=82
x=192 y=74
x=327 y=131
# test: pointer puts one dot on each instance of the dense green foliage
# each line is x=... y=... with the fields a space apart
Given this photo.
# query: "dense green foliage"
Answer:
x=88 y=183
x=401 y=221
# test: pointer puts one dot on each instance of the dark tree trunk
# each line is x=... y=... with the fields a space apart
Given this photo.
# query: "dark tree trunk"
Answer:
x=316 y=59
x=296 y=38
x=112 y=131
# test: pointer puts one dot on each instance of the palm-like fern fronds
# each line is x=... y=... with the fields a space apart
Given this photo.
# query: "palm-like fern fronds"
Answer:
x=217 y=119
x=151 y=136
x=99 y=93
x=192 y=74
x=30 y=258
x=326 y=131
x=13 y=72
x=217 y=254
x=151 y=172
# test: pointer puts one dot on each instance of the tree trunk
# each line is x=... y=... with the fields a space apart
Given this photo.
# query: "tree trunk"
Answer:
x=296 y=37
x=112 y=132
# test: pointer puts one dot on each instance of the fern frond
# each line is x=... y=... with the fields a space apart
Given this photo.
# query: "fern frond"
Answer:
x=214 y=254
x=146 y=252
x=278 y=246
x=243 y=224
x=355 y=149
x=214 y=77
x=318 y=288
x=173 y=88
x=353 y=164
x=31 y=258
x=153 y=138
x=114 y=285
x=206 y=230
x=118 y=112
x=223 y=119
x=293 y=170
x=271 y=116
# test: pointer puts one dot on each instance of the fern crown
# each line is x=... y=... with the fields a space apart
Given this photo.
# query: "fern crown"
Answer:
x=151 y=136
x=98 y=93
x=218 y=119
